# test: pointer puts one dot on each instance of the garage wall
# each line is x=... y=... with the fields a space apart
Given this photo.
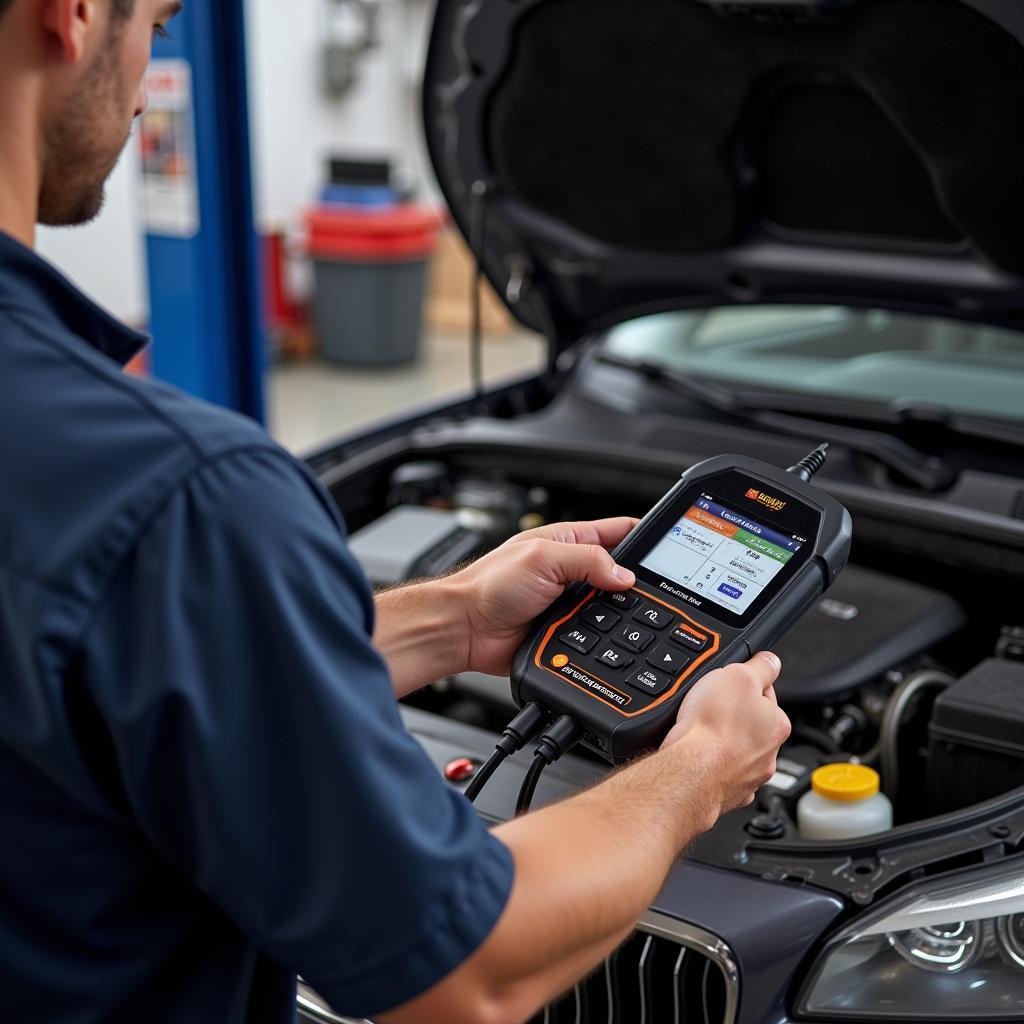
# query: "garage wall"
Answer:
x=107 y=258
x=294 y=129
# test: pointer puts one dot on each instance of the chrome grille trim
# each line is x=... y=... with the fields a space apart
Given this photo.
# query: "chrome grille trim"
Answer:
x=688 y=936
x=312 y=1009
x=644 y=957
x=677 y=1007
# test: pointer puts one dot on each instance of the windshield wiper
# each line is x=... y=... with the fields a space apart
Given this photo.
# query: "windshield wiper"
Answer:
x=925 y=471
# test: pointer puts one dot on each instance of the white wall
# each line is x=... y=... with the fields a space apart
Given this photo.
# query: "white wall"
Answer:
x=295 y=128
x=107 y=258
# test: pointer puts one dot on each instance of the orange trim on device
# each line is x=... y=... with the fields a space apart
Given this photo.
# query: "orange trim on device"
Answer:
x=697 y=628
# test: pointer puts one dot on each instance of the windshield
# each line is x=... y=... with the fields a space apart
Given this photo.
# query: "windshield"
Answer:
x=874 y=355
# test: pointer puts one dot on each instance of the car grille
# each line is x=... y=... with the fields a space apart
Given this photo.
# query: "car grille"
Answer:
x=667 y=972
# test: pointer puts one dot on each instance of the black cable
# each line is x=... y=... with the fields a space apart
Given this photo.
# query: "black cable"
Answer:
x=483 y=774
x=559 y=738
x=529 y=786
x=517 y=734
x=478 y=236
x=810 y=464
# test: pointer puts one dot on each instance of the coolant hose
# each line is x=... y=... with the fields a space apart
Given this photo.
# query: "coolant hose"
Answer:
x=892 y=722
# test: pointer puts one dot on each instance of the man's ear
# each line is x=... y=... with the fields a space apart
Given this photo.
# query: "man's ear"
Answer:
x=69 y=23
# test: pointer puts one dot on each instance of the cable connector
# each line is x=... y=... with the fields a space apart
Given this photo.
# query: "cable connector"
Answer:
x=517 y=734
x=558 y=739
x=522 y=728
x=810 y=464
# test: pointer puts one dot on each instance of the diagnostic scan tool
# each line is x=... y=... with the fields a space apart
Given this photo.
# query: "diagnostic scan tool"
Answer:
x=725 y=564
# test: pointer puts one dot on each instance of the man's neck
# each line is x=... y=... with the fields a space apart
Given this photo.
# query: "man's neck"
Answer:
x=19 y=170
x=12 y=220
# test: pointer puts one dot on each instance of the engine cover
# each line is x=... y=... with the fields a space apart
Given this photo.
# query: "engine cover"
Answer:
x=867 y=623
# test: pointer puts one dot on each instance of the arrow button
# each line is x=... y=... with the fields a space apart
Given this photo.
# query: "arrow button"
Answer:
x=669 y=659
x=599 y=617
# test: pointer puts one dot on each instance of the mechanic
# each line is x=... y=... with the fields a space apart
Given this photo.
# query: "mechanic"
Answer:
x=205 y=786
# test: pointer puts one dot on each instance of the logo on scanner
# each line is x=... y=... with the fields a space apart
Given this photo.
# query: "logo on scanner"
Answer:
x=775 y=504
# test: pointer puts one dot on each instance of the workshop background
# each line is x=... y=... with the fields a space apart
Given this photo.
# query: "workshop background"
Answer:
x=342 y=196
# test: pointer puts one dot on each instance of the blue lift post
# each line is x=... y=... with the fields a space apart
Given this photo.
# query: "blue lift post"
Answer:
x=205 y=295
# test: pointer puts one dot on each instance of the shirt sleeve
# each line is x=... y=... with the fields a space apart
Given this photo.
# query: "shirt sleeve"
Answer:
x=260 y=746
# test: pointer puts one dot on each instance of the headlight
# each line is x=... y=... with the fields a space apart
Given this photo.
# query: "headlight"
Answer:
x=944 y=949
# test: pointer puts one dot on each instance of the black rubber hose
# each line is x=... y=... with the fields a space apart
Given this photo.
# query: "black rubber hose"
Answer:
x=816 y=737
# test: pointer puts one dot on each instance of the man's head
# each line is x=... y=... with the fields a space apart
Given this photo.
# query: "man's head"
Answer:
x=80 y=65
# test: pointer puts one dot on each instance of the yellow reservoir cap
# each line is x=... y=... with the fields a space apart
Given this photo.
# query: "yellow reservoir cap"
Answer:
x=849 y=783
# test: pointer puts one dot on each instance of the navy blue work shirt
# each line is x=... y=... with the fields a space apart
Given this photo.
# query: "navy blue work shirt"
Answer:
x=205 y=786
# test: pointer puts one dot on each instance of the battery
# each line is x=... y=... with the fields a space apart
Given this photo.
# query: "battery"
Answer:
x=976 y=737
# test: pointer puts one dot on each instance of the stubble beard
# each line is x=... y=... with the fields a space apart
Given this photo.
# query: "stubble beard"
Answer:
x=82 y=146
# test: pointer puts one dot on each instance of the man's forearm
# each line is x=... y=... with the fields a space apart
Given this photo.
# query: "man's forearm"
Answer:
x=586 y=870
x=421 y=633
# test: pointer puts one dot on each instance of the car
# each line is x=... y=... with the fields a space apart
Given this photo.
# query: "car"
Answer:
x=750 y=226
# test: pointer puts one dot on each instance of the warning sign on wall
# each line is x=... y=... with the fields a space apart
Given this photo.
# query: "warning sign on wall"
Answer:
x=167 y=140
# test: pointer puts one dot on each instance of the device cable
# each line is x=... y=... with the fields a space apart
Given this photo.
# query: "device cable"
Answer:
x=559 y=738
x=810 y=464
x=529 y=786
x=517 y=734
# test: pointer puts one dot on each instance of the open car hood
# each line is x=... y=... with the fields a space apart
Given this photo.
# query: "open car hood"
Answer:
x=613 y=158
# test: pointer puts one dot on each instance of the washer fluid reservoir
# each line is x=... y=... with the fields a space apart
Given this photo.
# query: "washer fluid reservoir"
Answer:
x=845 y=802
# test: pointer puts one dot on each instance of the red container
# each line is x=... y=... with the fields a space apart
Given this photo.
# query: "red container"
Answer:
x=401 y=233
x=371 y=273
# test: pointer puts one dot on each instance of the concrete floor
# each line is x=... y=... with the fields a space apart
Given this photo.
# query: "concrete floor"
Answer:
x=313 y=402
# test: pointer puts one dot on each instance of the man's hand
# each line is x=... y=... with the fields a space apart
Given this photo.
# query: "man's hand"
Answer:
x=587 y=868
x=503 y=592
x=733 y=727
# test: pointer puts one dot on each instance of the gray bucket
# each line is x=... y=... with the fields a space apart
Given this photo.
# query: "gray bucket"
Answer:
x=369 y=314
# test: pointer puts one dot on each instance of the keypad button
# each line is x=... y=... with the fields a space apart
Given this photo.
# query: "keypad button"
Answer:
x=633 y=638
x=669 y=658
x=615 y=659
x=582 y=640
x=600 y=617
x=649 y=681
x=623 y=600
x=690 y=640
x=653 y=615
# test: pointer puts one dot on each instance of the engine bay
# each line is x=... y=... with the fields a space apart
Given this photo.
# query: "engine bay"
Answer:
x=913 y=663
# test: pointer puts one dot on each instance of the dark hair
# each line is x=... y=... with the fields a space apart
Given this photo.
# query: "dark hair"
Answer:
x=121 y=8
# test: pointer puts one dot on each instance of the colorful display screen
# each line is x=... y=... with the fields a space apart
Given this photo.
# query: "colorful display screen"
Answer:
x=721 y=555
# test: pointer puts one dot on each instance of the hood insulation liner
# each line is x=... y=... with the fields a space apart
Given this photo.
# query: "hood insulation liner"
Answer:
x=662 y=125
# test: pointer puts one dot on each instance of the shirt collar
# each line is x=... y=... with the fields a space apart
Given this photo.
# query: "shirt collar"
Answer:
x=29 y=282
